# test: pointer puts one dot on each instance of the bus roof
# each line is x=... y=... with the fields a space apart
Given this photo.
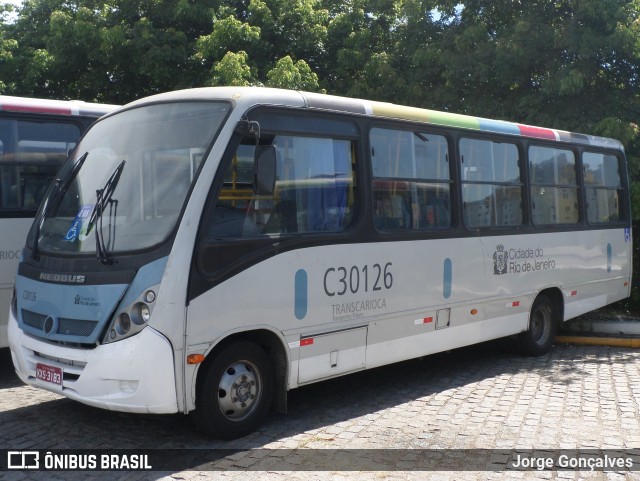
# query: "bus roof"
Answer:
x=246 y=97
x=54 y=107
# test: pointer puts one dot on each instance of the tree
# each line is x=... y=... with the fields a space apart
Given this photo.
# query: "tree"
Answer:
x=232 y=70
x=112 y=51
x=565 y=64
x=568 y=64
x=289 y=75
x=7 y=46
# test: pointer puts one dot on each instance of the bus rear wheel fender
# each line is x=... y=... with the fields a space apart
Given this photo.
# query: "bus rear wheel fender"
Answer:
x=235 y=392
x=543 y=323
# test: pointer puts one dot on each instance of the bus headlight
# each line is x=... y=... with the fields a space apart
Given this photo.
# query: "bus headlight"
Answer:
x=123 y=324
x=141 y=313
x=131 y=317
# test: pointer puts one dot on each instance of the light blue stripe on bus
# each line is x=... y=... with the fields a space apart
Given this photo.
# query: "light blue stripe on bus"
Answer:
x=300 y=307
x=446 y=278
x=609 y=257
x=499 y=126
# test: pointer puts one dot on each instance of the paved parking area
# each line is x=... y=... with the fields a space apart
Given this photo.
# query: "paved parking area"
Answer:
x=475 y=401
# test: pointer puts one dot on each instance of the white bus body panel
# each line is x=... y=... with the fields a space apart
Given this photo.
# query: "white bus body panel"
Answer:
x=442 y=294
x=12 y=237
x=133 y=375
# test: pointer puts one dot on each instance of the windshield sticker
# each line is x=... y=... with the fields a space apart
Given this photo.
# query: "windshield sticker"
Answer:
x=78 y=226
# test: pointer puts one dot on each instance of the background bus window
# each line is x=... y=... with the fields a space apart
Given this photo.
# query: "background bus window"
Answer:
x=411 y=184
x=31 y=156
x=603 y=187
x=491 y=183
x=554 y=188
x=314 y=192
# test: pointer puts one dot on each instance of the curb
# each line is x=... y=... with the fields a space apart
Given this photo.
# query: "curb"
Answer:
x=599 y=341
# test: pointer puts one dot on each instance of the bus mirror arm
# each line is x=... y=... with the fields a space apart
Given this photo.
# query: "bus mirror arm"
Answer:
x=264 y=165
x=264 y=170
x=247 y=128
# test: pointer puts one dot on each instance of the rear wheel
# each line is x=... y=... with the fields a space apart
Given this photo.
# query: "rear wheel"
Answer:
x=538 y=339
x=236 y=392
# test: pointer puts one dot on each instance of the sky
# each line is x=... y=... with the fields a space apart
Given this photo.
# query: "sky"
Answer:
x=17 y=3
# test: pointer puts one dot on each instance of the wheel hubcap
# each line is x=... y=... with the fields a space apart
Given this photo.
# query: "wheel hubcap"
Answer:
x=541 y=325
x=239 y=390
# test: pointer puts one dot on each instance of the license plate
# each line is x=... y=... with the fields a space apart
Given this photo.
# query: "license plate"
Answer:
x=50 y=374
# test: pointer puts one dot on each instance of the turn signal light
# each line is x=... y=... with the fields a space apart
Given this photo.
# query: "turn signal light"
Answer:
x=195 y=358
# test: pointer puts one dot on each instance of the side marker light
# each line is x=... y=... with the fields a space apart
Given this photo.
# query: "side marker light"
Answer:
x=195 y=358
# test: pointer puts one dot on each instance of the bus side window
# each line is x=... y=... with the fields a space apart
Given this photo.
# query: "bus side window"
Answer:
x=603 y=187
x=411 y=184
x=491 y=183
x=314 y=191
x=554 y=187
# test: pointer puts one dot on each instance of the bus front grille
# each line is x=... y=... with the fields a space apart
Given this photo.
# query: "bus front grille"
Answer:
x=33 y=319
x=63 y=326
x=76 y=327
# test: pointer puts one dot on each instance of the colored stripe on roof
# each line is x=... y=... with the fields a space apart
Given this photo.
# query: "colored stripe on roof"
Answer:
x=475 y=123
x=10 y=103
x=424 y=115
x=499 y=126
x=537 y=132
x=36 y=109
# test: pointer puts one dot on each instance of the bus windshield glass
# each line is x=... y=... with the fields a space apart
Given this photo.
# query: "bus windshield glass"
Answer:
x=128 y=179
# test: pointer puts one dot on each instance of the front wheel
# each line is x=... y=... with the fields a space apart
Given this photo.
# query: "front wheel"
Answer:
x=538 y=339
x=236 y=392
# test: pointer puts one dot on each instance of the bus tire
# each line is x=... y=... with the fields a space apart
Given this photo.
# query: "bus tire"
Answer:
x=538 y=339
x=236 y=392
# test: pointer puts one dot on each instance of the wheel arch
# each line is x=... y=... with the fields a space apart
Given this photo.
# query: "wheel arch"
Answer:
x=272 y=345
x=554 y=294
x=545 y=316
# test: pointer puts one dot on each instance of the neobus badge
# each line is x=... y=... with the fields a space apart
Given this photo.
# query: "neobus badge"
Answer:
x=66 y=278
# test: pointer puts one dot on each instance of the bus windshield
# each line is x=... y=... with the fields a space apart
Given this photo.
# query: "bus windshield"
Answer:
x=128 y=178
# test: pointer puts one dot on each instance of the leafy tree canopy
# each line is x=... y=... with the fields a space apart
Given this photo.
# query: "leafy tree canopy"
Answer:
x=568 y=64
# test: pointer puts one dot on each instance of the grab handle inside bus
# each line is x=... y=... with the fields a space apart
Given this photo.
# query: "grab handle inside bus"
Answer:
x=265 y=170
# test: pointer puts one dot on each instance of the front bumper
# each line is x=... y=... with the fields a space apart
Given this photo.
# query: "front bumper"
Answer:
x=133 y=375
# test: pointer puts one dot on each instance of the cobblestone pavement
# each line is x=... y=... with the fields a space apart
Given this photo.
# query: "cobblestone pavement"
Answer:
x=482 y=397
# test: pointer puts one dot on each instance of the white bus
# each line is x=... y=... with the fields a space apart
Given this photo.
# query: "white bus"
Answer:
x=36 y=136
x=208 y=250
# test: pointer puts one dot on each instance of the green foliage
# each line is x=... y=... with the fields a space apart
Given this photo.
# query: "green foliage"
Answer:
x=7 y=46
x=232 y=70
x=112 y=51
x=289 y=75
x=228 y=34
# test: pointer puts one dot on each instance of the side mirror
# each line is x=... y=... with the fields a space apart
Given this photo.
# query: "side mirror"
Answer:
x=264 y=170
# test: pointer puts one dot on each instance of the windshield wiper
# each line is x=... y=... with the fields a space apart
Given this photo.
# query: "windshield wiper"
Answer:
x=103 y=197
x=58 y=188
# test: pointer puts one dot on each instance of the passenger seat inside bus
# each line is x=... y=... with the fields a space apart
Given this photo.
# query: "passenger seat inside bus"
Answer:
x=392 y=213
